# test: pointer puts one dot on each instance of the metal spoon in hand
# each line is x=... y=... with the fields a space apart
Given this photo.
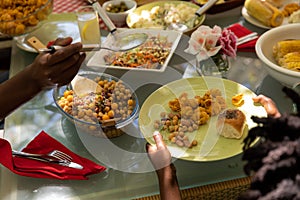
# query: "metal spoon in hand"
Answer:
x=191 y=23
x=90 y=47
x=121 y=39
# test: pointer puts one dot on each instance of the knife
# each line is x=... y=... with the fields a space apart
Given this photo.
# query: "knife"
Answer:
x=59 y=162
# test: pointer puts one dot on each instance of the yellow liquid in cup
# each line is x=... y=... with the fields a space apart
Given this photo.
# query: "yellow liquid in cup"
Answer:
x=89 y=28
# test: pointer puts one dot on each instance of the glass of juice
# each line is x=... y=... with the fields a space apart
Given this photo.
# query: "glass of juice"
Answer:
x=88 y=23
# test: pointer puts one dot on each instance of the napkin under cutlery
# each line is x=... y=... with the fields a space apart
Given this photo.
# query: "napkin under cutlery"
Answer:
x=240 y=31
x=43 y=143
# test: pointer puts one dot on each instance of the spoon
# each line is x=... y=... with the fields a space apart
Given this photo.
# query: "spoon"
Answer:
x=89 y=47
x=191 y=23
x=121 y=39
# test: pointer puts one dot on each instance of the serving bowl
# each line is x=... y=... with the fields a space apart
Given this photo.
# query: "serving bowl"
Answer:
x=264 y=50
x=159 y=14
x=221 y=5
x=20 y=18
x=152 y=56
x=118 y=10
x=102 y=113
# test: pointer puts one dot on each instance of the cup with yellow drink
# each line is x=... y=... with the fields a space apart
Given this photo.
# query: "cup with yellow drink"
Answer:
x=88 y=23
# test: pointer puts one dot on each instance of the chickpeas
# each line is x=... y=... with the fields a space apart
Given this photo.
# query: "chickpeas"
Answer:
x=114 y=102
x=187 y=115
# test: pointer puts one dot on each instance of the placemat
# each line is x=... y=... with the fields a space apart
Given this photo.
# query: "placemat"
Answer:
x=60 y=6
x=65 y=6
x=227 y=190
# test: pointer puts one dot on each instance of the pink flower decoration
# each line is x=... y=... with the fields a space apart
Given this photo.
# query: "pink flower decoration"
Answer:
x=206 y=42
x=228 y=42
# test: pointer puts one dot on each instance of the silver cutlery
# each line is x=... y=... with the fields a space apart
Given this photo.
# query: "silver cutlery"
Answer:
x=56 y=157
x=246 y=38
x=55 y=154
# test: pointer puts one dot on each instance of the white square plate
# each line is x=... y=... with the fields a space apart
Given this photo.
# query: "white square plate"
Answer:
x=97 y=60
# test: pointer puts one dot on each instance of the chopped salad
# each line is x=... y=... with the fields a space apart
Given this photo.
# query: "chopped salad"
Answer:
x=150 y=55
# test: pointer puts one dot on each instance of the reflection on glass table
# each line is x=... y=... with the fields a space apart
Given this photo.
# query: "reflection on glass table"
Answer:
x=129 y=173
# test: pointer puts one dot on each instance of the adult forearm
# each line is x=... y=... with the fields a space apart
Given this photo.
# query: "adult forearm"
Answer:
x=168 y=184
x=16 y=91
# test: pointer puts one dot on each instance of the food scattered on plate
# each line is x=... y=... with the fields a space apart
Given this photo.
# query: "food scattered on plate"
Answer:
x=210 y=145
x=150 y=55
x=231 y=123
x=287 y=54
x=188 y=114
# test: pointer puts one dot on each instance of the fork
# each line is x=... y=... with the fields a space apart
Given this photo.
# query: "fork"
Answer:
x=55 y=154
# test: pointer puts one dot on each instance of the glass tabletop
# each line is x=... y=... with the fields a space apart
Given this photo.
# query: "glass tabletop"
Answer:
x=129 y=175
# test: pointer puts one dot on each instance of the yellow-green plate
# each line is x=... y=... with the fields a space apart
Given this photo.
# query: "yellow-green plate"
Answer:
x=210 y=146
x=134 y=16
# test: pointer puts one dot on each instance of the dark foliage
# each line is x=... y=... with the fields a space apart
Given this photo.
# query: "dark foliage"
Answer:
x=274 y=162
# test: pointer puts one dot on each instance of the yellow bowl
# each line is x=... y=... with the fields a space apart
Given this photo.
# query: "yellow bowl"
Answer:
x=16 y=19
x=140 y=13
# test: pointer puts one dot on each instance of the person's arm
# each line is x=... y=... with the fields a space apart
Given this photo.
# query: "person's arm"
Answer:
x=268 y=104
x=168 y=184
x=46 y=71
x=165 y=170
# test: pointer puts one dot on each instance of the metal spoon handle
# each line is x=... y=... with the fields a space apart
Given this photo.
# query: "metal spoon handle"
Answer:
x=205 y=7
x=85 y=47
x=110 y=25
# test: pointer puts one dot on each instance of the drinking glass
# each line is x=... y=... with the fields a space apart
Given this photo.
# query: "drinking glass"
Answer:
x=88 y=23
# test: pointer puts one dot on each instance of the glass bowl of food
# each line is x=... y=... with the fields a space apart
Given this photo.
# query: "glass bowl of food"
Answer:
x=21 y=17
x=103 y=111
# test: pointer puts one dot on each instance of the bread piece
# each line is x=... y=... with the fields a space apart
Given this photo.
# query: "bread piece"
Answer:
x=231 y=123
x=264 y=12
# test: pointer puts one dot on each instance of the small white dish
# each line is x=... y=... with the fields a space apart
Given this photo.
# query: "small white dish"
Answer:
x=119 y=19
x=97 y=61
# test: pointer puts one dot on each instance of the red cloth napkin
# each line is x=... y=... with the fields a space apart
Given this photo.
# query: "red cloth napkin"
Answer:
x=43 y=143
x=241 y=31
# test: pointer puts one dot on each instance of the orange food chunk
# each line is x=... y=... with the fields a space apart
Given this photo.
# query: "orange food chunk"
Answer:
x=238 y=100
